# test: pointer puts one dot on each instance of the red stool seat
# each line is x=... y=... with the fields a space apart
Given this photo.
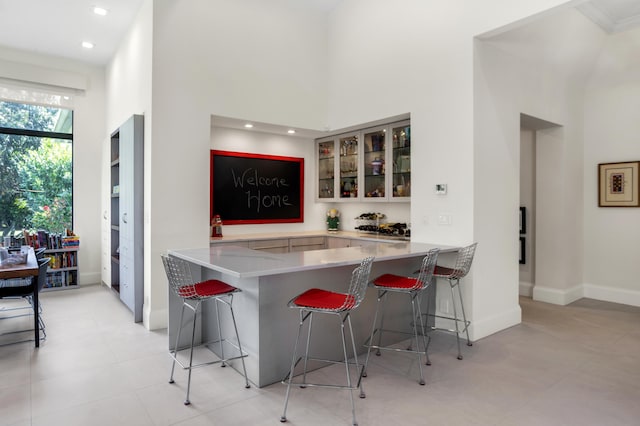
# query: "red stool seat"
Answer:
x=207 y=288
x=397 y=281
x=316 y=298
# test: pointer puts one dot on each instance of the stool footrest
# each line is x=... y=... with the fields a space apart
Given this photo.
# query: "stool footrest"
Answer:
x=355 y=386
x=434 y=328
x=367 y=344
x=174 y=354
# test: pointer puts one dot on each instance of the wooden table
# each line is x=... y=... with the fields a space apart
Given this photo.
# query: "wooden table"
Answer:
x=25 y=270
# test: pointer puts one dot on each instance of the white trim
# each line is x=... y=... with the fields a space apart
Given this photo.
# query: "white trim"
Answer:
x=155 y=319
x=89 y=278
x=495 y=323
x=557 y=296
x=610 y=294
x=525 y=289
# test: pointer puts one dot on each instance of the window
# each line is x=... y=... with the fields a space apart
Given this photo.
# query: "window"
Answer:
x=36 y=168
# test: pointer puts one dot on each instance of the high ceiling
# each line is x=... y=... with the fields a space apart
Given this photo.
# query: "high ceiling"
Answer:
x=58 y=27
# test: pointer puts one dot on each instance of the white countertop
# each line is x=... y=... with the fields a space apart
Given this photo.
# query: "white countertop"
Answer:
x=247 y=263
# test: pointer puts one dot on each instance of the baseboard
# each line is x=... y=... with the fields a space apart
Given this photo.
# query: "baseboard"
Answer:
x=557 y=296
x=495 y=323
x=525 y=289
x=155 y=319
x=89 y=278
x=609 y=294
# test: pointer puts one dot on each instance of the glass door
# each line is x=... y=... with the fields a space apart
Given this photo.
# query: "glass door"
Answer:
x=374 y=163
x=326 y=169
x=348 y=166
x=401 y=137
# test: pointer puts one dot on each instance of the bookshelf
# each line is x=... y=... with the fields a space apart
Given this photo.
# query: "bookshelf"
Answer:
x=62 y=249
x=63 y=269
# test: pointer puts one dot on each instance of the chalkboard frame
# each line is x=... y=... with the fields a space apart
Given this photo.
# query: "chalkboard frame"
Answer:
x=253 y=156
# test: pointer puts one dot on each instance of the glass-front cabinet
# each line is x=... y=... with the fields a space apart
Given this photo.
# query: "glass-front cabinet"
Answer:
x=401 y=156
x=373 y=164
x=349 y=166
x=326 y=169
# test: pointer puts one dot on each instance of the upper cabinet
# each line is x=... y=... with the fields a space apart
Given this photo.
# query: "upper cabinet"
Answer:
x=401 y=157
x=349 y=159
x=372 y=164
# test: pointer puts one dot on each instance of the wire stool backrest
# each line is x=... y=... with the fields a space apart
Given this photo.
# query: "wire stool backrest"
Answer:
x=463 y=262
x=425 y=276
x=179 y=276
x=358 y=285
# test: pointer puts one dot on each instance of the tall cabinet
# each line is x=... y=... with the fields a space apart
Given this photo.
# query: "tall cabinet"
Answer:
x=127 y=207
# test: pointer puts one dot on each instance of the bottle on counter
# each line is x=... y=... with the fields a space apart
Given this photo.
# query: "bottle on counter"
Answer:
x=216 y=226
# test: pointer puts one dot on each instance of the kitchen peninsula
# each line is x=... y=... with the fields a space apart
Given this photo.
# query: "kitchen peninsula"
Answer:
x=269 y=280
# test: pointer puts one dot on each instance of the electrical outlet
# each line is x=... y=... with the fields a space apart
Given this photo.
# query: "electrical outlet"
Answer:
x=444 y=219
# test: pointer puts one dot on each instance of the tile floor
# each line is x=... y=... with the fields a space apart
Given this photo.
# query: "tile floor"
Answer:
x=572 y=365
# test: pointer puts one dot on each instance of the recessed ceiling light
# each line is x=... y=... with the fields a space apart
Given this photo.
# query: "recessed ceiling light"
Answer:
x=248 y=125
x=87 y=45
x=100 y=11
x=291 y=131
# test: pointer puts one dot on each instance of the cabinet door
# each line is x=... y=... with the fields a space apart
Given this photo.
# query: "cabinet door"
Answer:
x=374 y=158
x=401 y=157
x=349 y=159
x=326 y=170
x=127 y=280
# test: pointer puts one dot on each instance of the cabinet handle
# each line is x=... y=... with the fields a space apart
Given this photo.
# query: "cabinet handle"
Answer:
x=124 y=218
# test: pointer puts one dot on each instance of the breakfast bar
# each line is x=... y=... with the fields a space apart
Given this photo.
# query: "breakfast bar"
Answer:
x=268 y=281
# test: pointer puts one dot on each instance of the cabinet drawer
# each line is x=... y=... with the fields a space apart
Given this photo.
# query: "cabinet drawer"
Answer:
x=307 y=241
x=269 y=244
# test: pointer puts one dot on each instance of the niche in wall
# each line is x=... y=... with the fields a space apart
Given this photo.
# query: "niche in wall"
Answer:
x=529 y=126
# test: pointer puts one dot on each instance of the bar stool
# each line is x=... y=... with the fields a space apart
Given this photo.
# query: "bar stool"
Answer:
x=453 y=275
x=192 y=295
x=413 y=287
x=328 y=302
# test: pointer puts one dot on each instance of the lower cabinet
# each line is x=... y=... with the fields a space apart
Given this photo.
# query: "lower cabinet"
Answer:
x=271 y=246
x=307 y=244
x=335 y=242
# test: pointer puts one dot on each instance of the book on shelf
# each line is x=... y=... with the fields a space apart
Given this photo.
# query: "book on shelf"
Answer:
x=51 y=241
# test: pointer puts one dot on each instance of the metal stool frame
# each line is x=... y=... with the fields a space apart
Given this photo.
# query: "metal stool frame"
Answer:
x=183 y=285
x=454 y=275
x=420 y=284
x=352 y=299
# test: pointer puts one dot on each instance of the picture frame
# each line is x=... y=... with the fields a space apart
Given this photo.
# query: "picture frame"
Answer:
x=523 y=258
x=523 y=220
x=618 y=184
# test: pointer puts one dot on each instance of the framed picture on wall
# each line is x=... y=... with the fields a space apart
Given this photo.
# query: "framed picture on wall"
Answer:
x=522 y=251
x=523 y=220
x=618 y=184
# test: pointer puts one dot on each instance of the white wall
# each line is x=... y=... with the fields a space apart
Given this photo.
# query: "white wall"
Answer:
x=128 y=86
x=611 y=252
x=388 y=58
x=88 y=131
x=255 y=60
x=514 y=77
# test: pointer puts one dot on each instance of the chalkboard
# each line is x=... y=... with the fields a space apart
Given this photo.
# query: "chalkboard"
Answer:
x=254 y=188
